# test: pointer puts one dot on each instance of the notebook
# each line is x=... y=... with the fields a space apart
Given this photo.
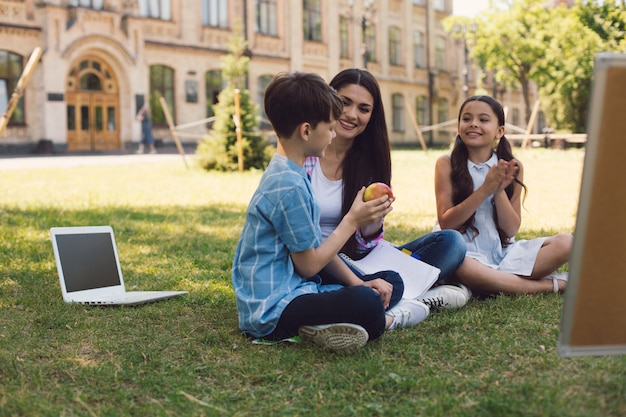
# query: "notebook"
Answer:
x=418 y=276
x=89 y=268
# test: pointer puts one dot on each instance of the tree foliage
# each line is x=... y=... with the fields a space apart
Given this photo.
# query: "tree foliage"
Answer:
x=219 y=151
x=566 y=79
x=524 y=42
x=512 y=42
x=566 y=74
x=607 y=19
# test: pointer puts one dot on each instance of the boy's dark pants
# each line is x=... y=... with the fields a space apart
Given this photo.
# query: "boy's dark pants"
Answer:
x=357 y=305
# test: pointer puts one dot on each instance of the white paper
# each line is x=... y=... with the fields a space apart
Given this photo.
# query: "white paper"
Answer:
x=418 y=276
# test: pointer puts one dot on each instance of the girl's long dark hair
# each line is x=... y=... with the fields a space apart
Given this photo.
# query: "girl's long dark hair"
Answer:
x=369 y=158
x=462 y=184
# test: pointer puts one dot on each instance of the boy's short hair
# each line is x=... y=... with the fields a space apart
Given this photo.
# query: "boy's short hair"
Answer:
x=293 y=98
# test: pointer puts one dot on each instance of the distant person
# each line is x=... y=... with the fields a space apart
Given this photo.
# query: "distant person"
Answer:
x=478 y=191
x=280 y=253
x=147 y=139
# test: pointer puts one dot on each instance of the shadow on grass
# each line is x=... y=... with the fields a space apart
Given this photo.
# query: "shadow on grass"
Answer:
x=159 y=248
x=186 y=356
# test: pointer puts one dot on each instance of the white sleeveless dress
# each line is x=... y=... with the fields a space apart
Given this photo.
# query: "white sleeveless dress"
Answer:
x=518 y=257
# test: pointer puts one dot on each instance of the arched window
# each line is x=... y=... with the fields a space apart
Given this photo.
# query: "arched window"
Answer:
x=215 y=13
x=443 y=116
x=394 y=46
x=370 y=41
x=161 y=85
x=11 y=66
x=442 y=110
x=262 y=83
x=213 y=86
x=421 y=110
x=312 y=10
x=344 y=38
x=90 y=82
x=94 y=4
x=91 y=75
x=515 y=117
x=397 y=111
x=266 y=17
x=541 y=121
x=440 y=53
x=418 y=49
x=157 y=9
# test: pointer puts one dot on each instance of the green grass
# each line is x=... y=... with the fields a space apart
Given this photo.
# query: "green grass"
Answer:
x=177 y=229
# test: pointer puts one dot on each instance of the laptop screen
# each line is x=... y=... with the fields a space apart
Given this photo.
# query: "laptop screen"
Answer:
x=88 y=261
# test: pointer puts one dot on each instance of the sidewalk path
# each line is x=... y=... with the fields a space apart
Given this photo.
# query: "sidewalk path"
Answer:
x=17 y=162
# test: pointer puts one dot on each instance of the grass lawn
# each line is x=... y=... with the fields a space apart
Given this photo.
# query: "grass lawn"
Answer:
x=177 y=229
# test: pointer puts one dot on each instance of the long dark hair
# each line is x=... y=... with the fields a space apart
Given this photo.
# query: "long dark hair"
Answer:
x=369 y=158
x=462 y=184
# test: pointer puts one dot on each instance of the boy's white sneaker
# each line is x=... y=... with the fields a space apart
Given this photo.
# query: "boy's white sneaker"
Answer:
x=337 y=337
x=446 y=296
x=407 y=313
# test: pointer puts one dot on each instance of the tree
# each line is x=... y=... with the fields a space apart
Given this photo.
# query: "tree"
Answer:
x=566 y=73
x=555 y=48
x=219 y=150
x=607 y=19
x=566 y=79
x=512 y=43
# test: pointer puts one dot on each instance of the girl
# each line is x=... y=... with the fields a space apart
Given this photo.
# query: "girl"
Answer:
x=478 y=192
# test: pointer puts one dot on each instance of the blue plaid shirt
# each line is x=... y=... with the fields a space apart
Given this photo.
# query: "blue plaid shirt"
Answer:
x=282 y=218
x=364 y=245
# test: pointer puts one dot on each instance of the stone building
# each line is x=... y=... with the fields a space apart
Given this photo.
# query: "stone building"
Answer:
x=102 y=59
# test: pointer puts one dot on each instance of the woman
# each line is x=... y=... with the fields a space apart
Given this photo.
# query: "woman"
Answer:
x=360 y=155
x=478 y=191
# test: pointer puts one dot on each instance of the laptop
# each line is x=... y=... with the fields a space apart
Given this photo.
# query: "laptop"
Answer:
x=89 y=268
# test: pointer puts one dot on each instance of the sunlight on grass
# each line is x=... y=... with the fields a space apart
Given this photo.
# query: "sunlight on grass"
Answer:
x=141 y=185
x=8 y=287
x=551 y=176
x=177 y=229
x=209 y=286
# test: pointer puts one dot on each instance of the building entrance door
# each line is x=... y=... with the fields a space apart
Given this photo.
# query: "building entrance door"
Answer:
x=92 y=107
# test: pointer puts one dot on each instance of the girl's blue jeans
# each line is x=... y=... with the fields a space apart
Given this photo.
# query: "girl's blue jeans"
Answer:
x=444 y=249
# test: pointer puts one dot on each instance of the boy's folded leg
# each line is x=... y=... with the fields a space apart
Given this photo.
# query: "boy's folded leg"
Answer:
x=336 y=337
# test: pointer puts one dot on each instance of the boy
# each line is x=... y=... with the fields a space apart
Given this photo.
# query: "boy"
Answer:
x=280 y=252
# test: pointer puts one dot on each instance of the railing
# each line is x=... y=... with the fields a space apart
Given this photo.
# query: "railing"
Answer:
x=547 y=138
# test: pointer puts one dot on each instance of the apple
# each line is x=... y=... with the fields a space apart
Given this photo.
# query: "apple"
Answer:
x=376 y=190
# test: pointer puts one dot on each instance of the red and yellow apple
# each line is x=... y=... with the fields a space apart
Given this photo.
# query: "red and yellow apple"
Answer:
x=376 y=190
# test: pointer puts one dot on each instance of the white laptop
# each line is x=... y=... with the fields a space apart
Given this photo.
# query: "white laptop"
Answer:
x=89 y=268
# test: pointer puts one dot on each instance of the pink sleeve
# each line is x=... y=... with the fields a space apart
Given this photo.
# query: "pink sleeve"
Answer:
x=366 y=244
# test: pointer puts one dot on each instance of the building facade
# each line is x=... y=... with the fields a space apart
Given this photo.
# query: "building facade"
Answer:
x=102 y=59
